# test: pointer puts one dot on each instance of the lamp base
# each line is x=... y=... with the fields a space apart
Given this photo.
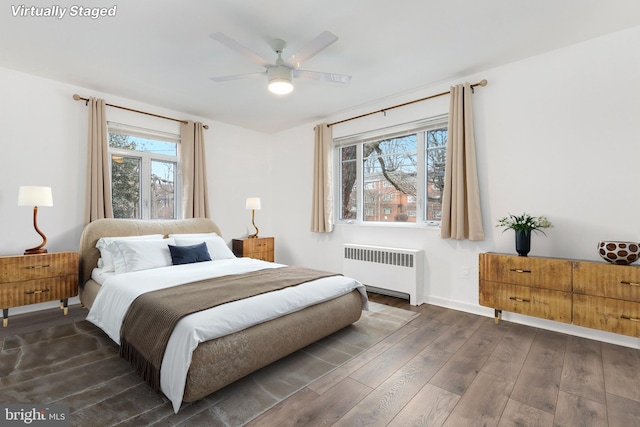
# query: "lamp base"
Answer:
x=254 y=235
x=35 y=251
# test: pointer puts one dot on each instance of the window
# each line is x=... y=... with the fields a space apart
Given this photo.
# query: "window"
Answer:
x=393 y=174
x=144 y=173
x=436 y=153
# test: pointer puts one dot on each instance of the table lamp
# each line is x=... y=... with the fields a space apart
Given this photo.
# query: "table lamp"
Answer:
x=253 y=203
x=35 y=196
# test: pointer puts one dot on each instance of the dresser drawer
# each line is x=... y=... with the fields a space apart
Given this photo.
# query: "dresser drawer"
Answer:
x=607 y=280
x=547 y=273
x=39 y=290
x=607 y=314
x=545 y=303
x=19 y=268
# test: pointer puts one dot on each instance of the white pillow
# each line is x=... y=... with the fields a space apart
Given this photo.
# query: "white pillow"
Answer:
x=216 y=246
x=106 y=256
x=189 y=235
x=142 y=254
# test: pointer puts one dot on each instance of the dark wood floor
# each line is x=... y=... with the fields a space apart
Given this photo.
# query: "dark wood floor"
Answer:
x=36 y=320
x=452 y=368
x=456 y=369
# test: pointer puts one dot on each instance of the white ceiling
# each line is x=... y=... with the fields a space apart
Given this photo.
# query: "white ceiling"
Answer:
x=159 y=52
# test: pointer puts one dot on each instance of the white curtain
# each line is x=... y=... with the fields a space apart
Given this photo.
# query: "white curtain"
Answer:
x=195 y=200
x=322 y=205
x=98 y=191
x=461 y=215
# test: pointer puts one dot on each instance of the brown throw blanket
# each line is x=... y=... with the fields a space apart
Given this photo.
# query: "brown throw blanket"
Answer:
x=150 y=320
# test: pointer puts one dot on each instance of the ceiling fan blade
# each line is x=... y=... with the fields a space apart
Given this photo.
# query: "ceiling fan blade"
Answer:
x=325 y=77
x=231 y=43
x=324 y=40
x=237 y=76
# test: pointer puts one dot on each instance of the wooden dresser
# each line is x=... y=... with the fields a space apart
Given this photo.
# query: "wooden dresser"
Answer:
x=32 y=279
x=586 y=293
x=258 y=248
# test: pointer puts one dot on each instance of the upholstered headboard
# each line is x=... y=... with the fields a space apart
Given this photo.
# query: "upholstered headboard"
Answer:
x=89 y=254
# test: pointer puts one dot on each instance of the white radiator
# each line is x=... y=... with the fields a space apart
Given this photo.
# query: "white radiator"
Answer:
x=399 y=272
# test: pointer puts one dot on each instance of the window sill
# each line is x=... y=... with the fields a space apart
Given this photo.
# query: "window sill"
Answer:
x=424 y=225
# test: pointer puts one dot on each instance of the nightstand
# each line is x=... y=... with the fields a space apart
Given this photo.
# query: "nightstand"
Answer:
x=32 y=279
x=258 y=248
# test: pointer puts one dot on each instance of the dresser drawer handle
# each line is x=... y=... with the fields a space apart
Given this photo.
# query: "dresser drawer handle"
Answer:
x=518 y=270
x=633 y=319
x=31 y=267
x=39 y=291
x=519 y=299
x=629 y=283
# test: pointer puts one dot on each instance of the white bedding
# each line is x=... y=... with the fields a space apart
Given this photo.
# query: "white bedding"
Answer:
x=118 y=292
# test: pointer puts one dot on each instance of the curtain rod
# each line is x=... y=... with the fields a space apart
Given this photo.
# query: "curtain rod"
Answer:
x=482 y=82
x=79 y=98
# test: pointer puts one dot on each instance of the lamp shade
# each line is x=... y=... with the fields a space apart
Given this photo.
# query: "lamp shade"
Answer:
x=253 y=203
x=35 y=196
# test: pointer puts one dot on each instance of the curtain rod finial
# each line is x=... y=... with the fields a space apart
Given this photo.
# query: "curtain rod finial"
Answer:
x=76 y=97
x=483 y=82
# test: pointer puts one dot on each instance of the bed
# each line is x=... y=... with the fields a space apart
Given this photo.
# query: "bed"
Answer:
x=222 y=360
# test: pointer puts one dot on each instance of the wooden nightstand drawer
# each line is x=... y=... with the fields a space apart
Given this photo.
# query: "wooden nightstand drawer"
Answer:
x=37 y=291
x=607 y=314
x=257 y=245
x=28 y=267
x=545 y=273
x=264 y=256
x=259 y=248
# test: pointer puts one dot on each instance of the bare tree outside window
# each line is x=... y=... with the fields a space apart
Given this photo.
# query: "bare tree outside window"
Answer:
x=348 y=180
x=162 y=190
x=391 y=166
x=394 y=179
x=436 y=152
x=143 y=177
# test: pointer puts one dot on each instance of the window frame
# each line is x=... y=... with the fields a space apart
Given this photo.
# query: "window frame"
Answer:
x=146 y=159
x=416 y=127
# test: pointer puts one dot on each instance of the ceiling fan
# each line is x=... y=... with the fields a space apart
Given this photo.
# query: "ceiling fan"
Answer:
x=281 y=73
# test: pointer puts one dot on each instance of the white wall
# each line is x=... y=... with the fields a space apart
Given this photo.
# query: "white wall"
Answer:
x=44 y=138
x=556 y=135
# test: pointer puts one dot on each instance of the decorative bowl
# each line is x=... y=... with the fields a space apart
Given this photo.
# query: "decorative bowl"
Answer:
x=623 y=253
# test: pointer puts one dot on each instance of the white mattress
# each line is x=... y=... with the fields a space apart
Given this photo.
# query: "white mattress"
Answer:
x=119 y=290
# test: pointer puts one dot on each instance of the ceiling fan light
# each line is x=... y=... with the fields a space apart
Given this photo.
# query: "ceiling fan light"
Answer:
x=280 y=80
x=280 y=86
